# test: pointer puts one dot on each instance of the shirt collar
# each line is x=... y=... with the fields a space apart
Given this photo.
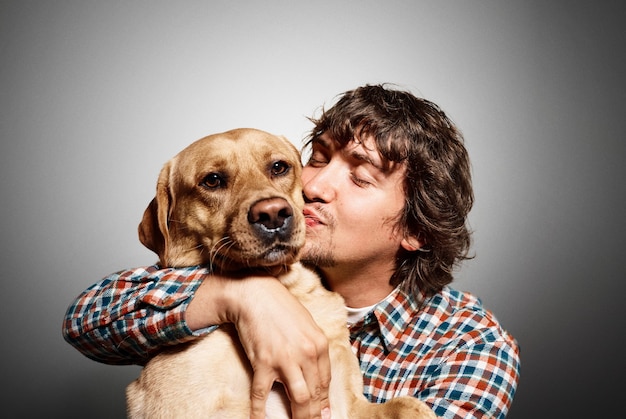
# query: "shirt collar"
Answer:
x=391 y=316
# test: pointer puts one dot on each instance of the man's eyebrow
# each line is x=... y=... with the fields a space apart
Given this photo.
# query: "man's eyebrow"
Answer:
x=367 y=159
x=356 y=155
x=321 y=141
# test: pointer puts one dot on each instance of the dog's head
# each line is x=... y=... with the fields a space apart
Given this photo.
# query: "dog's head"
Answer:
x=231 y=200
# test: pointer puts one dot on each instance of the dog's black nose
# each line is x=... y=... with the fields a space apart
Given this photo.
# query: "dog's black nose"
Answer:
x=270 y=213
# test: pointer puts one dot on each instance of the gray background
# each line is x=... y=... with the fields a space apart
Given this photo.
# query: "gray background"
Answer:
x=97 y=95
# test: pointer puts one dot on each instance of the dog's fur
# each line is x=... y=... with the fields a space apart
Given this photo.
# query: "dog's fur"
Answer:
x=233 y=201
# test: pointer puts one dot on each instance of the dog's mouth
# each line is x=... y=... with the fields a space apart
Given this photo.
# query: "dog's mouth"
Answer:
x=276 y=255
x=279 y=254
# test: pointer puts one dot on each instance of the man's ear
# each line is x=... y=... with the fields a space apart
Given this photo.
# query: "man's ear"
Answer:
x=412 y=243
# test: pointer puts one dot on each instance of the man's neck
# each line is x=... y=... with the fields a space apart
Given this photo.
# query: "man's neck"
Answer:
x=359 y=287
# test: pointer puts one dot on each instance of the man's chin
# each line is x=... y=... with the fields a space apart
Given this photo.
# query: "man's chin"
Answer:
x=316 y=256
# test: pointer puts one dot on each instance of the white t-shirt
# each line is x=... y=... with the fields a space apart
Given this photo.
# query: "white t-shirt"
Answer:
x=356 y=314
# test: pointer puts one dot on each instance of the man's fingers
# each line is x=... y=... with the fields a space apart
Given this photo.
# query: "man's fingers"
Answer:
x=325 y=377
x=309 y=387
x=316 y=369
x=303 y=404
x=260 y=390
x=294 y=351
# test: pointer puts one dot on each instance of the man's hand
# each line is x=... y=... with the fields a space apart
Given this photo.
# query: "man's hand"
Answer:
x=281 y=340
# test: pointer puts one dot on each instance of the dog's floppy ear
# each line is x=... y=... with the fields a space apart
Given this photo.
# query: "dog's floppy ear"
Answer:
x=153 y=228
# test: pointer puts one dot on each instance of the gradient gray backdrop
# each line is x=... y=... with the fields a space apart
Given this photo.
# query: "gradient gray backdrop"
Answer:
x=97 y=95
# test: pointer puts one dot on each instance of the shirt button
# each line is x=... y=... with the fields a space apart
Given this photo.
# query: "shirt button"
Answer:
x=105 y=319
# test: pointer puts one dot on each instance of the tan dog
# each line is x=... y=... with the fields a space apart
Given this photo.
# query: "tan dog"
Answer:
x=233 y=201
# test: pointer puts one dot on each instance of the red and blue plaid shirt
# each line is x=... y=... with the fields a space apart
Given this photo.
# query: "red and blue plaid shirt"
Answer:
x=446 y=350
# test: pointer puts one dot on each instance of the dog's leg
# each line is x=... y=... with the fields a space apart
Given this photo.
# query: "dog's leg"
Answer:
x=134 y=401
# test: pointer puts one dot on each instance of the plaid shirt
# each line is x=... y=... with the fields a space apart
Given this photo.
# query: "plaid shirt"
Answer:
x=446 y=350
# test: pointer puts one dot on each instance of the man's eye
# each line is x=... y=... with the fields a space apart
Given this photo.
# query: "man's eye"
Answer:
x=359 y=181
x=279 y=168
x=316 y=161
x=213 y=181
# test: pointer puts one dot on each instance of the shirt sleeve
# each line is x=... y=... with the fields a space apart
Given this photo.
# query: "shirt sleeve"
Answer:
x=477 y=380
x=126 y=317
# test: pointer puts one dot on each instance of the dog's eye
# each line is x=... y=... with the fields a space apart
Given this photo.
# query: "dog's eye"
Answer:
x=213 y=181
x=279 y=168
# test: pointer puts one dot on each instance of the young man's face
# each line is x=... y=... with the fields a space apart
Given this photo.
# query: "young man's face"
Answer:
x=353 y=202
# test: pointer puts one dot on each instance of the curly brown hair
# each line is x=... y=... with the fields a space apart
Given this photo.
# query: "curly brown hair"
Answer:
x=438 y=188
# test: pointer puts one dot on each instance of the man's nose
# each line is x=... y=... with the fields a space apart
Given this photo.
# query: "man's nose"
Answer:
x=319 y=183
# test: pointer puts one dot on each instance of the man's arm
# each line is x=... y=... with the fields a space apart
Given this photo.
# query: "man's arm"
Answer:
x=129 y=316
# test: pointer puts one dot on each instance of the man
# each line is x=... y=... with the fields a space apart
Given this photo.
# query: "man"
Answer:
x=387 y=189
